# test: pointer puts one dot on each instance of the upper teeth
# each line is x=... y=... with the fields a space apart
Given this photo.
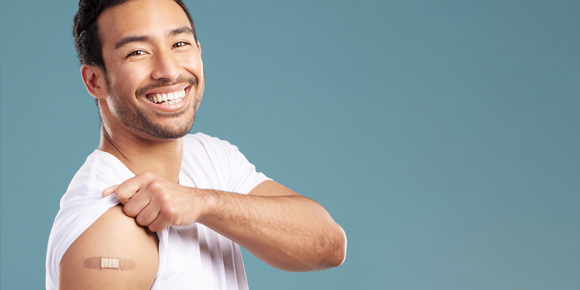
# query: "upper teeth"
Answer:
x=169 y=98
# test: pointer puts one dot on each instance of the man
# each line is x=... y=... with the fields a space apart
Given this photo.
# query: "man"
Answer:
x=154 y=207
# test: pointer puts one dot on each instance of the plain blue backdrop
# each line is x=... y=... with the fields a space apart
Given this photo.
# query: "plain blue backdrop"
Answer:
x=443 y=136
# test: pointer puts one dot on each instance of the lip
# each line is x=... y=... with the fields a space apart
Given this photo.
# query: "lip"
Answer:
x=164 y=90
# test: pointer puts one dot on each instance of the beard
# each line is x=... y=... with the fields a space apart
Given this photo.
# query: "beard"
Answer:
x=135 y=118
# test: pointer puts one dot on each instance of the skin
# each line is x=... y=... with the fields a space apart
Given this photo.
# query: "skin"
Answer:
x=279 y=226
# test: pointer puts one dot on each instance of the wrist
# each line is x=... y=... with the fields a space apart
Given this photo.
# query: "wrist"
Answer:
x=209 y=203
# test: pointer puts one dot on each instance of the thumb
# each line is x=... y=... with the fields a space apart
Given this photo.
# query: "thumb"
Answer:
x=110 y=190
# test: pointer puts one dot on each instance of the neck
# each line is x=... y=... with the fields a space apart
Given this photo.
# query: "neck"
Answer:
x=161 y=157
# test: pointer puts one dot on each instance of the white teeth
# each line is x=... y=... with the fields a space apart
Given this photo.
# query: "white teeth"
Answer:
x=168 y=98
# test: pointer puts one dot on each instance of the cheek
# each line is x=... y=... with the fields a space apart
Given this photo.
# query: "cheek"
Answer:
x=193 y=64
x=129 y=79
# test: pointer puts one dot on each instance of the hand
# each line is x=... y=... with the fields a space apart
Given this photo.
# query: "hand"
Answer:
x=157 y=203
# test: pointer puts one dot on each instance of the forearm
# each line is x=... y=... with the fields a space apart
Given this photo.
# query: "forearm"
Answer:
x=289 y=232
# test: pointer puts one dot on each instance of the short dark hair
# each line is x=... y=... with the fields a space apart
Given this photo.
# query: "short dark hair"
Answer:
x=86 y=31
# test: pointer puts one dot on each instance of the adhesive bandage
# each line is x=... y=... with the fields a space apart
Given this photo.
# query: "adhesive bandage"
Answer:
x=109 y=263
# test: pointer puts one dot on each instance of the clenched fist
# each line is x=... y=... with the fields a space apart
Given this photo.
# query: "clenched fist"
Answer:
x=157 y=203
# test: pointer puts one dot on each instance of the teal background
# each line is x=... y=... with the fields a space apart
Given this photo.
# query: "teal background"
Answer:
x=442 y=135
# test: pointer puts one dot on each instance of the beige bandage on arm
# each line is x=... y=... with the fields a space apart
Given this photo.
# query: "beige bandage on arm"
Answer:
x=112 y=263
x=109 y=263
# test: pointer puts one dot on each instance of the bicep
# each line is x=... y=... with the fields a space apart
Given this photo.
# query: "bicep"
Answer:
x=272 y=188
x=117 y=236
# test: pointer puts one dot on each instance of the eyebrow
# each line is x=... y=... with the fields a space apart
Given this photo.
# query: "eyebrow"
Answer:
x=143 y=38
x=125 y=40
x=180 y=30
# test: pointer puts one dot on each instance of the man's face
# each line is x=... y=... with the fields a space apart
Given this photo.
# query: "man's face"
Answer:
x=154 y=75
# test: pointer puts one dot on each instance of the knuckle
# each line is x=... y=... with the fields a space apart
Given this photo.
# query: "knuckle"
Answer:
x=121 y=193
x=155 y=186
x=167 y=212
x=129 y=211
x=146 y=175
x=164 y=198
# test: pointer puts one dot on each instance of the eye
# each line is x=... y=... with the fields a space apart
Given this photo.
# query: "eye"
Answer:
x=181 y=44
x=136 y=53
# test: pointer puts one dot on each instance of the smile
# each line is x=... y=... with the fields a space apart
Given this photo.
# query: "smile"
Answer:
x=167 y=98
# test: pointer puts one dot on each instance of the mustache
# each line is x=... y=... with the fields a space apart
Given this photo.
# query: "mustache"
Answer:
x=190 y=80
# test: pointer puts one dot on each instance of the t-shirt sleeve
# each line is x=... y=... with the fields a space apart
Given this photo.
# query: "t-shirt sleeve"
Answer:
x=240 y=175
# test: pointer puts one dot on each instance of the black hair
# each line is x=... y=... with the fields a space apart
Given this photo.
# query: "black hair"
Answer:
x=86 y=32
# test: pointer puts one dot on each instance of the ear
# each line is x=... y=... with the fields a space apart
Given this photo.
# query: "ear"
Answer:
x=94 y=79
x=199 y=47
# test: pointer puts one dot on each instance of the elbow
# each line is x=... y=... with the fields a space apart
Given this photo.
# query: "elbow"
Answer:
x=328 y=252
x=333 y=253
x=338 y=252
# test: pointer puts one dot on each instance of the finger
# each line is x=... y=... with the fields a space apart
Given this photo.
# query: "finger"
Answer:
x=148 y=215
x=163 y=220
x=110 y=190
x=129 y=188
x=144 y=196
x=136 y=204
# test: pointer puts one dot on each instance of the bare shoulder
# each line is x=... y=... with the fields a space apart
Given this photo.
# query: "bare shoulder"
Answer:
x=113 y=253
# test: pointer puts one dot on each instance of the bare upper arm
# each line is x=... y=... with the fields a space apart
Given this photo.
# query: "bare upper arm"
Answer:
x=113 y=235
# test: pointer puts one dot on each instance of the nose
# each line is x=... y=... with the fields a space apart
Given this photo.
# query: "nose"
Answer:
x=165 y=67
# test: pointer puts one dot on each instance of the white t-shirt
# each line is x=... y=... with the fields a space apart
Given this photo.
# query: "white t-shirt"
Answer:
x=190 y=257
